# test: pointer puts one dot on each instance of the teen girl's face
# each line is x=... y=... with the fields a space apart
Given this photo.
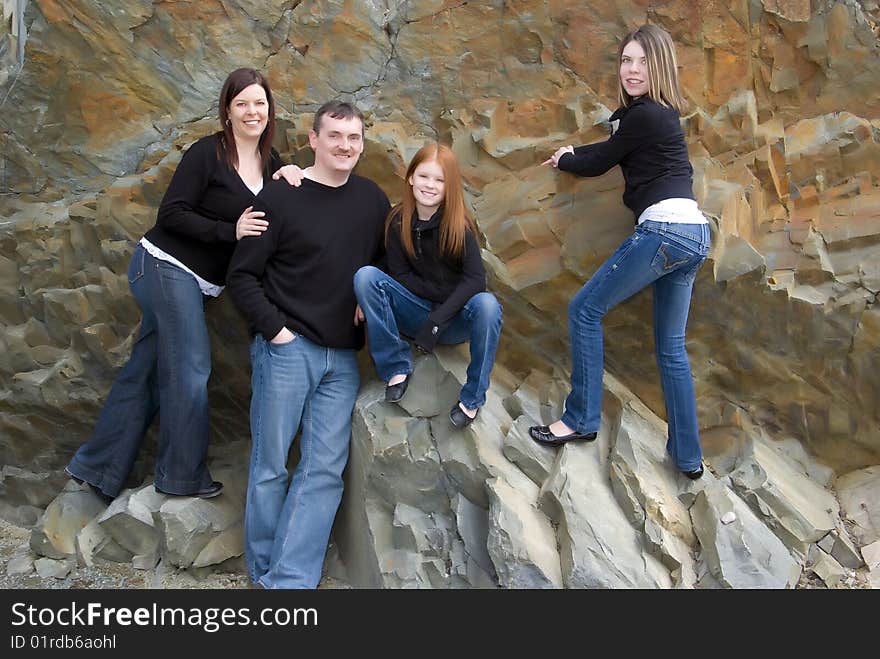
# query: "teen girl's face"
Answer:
x=429 y=187
x=634 y=70
x=249 y=112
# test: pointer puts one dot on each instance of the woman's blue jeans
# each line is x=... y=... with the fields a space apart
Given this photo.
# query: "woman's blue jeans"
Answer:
x=167 y=373
x=390 y=309
x=667 y=255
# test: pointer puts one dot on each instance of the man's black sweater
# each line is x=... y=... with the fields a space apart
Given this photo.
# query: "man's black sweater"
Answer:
x=299 y=273
x=447 y=282
x=649 y=146
x=196 y=220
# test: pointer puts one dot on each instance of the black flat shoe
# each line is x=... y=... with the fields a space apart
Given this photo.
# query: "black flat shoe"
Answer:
x=459 y=418
x=394 y=392
x=695 y=474
x=543 y=435
x=209 y=492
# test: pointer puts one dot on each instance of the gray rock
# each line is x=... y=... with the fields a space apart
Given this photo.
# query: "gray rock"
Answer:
x=871 y=555
x=147 y=561
x=521 y=541
x=187 y=526
x=828 y=570
x=92 y=543
x=473 y=527
x=21 y=564
x=432 y=389
x=73 y=508
x=129 y=520
x=798 y=510
x=598 y=546
x=840 y=547
x=21 y=487
x=859 y=494
x=745 y=553
x=50 y=567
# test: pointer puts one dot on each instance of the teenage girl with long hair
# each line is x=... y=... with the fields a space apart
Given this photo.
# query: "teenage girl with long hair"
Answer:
x=435 y=287
x=669 y=244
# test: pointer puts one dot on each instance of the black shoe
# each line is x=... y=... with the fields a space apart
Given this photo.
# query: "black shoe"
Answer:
x=459 y=418
x=106 y=498
x=209 y=492
x=543 y=435
x=394 y=392
x=695 y=474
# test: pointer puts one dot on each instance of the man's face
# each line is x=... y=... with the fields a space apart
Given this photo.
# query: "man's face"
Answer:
x=338 y=145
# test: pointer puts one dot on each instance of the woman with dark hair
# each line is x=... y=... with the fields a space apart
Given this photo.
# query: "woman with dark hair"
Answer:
x=435 y=288
x=670 y=243
x=179 y=264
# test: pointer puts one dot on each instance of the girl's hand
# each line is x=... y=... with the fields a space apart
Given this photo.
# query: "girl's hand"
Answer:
x=359 y=315
x=250 y=224
x=291 y=173
x=554 y=159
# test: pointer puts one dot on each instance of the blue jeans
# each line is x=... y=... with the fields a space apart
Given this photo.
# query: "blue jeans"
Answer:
x=287 y=525
x=391 y=309
x=168 y=370
x=668 y=256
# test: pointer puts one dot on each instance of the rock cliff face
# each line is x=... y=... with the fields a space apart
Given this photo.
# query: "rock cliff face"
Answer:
x=98 y=100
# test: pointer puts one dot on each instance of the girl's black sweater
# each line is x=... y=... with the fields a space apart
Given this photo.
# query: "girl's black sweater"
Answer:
x=448 y=283
x=649 y=146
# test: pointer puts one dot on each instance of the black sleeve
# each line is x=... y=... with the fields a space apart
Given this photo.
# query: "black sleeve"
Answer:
x=636 y=129
x=192 y=177
x=246 y=269
x=473 y=281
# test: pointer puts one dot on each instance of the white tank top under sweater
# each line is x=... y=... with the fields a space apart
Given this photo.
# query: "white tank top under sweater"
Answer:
x=683 y=211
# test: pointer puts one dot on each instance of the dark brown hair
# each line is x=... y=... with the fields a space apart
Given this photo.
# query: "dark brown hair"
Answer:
x=235 y=83
x=337 y=110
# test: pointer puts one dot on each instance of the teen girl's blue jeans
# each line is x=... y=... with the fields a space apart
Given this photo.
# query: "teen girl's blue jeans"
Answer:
x=667 y=255
x=168 y=370
x=391 y=309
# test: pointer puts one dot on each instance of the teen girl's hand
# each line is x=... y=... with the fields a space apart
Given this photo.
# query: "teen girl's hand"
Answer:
x=291 y=173
x=554 y=159
x=250 y=224
x=358 y=315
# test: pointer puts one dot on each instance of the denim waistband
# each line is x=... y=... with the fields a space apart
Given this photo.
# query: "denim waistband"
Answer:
x=694 y=236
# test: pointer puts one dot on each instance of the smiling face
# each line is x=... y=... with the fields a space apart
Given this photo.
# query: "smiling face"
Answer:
x=249 y=113
x=634 y=70
x=338 y=145
x=429 y=187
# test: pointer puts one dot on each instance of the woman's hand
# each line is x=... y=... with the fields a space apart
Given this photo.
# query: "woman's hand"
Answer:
x=284 y=336
x=554 y=159
x=291 y=173
x=359 y=315
x=250 y=224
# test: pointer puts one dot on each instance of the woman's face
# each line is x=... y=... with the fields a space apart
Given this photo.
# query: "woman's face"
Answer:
x=249 y=112
x=634 y=70
x=429 y=185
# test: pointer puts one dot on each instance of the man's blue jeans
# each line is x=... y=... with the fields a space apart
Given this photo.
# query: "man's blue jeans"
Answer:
x=668 y=256
x=168 y=370
x=391 y=309
x=287 y=524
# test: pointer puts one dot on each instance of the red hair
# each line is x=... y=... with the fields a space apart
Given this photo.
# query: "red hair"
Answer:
x=455 y=219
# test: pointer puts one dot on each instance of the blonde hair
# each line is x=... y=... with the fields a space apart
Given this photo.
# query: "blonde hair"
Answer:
x=663 y=86
x=454 y=220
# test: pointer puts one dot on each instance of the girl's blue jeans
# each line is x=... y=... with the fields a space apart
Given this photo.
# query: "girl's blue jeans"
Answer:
x=667 y=255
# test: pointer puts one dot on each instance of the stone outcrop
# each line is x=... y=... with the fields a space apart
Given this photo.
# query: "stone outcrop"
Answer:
x=783 y=332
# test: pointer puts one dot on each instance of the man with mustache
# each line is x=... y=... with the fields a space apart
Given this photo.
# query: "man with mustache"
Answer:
x=294 y=287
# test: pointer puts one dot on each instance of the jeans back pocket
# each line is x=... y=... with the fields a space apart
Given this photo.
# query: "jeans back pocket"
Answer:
x=671 y=256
